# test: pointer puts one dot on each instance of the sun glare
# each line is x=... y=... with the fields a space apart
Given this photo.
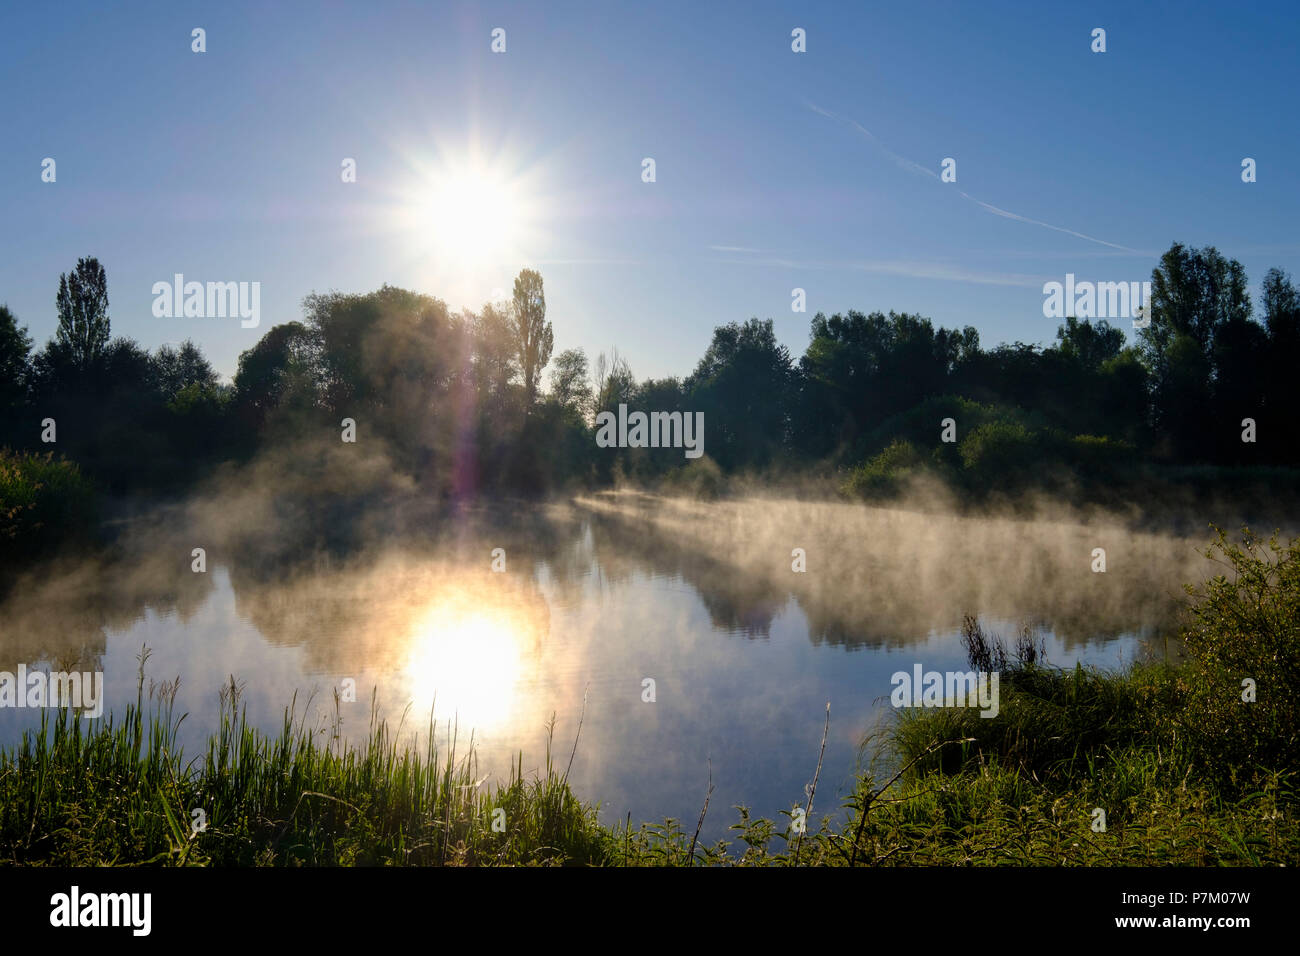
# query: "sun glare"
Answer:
x=468 y=222
x=464 y=218
x=472 y=217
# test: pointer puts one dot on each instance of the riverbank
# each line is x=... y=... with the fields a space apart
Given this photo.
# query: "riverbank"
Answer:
x=1157 y=765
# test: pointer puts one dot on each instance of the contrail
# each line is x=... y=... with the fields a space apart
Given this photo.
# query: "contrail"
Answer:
x=915 y=167
x=1046 y=225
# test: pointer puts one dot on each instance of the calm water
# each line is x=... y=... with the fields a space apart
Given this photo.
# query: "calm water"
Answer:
x=597 y=595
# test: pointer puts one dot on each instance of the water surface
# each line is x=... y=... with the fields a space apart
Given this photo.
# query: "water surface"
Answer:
x=598 y=595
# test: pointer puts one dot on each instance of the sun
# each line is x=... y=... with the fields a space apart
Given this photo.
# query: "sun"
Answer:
x=462 y=216
x=469 y=222
x=473 y=217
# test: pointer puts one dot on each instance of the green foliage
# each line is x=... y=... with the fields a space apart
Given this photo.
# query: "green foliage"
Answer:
x=1049 y=722
x=1187 y=772
x=920 y=426
x=178 y=369
x=993 y=815
x=534 y=336
x=1099 y=454
x=15 y=344
x=1087 y=345
x=122 y=793
x=448 y=400
x=570 y=384
x=886 y=473
x=744 y=385
x=44 y=501
x=83 y=313
x=1246 y=624
x=701 y=478
x=998 y=449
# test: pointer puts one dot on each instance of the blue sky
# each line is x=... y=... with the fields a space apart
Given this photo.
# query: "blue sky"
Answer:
x=774 y=170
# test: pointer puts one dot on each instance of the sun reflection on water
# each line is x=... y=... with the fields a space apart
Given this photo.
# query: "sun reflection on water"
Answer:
x=466 y=662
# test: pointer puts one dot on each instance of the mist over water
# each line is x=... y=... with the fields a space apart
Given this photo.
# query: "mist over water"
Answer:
x=599 y=592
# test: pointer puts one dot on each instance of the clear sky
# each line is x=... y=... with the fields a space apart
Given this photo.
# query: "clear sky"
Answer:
x=774 y=169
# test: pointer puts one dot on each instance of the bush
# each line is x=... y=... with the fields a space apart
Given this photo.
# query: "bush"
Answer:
x=1246 y=624
x=1049 y=720
x=884 y=474
x=997 y=448
x=1054 y=724
x=700 y=478
x=43 y=501
x=920 y=425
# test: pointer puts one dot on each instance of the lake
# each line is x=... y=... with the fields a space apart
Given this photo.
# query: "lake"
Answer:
x=597 y=596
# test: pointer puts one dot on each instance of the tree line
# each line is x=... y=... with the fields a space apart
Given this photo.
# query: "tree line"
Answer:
x=459 y=401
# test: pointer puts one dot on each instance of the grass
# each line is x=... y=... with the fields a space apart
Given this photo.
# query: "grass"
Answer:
x=1185 y=769
x=1188 y=766
x=123 y=794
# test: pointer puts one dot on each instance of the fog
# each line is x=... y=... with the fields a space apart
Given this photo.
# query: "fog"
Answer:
x=324 y=565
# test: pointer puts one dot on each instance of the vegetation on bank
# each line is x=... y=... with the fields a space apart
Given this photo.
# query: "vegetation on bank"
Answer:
x=1186 y=771
x=44 y=503
x=123 y=793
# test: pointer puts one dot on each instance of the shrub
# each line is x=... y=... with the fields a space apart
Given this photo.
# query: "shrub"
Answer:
x=43 y=501
x=700 y=478
x=884 y=474
x=997 y=448
x=1246 y=624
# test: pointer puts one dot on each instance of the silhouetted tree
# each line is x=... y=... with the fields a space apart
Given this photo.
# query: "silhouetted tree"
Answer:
x=534 y=334
x=1240 y=359
x=82 y=304
x=861 y=369
x=179 y=368
x=570 y=387
x=1122 y=405
x=495 y=361
x=1279 y=423
x=615 y=382
x=1088 y=345
x=1198 y=298
x=270 y=370
x=451 y=400
x=744 y=384
x=15 y=345
x=1079 y=377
